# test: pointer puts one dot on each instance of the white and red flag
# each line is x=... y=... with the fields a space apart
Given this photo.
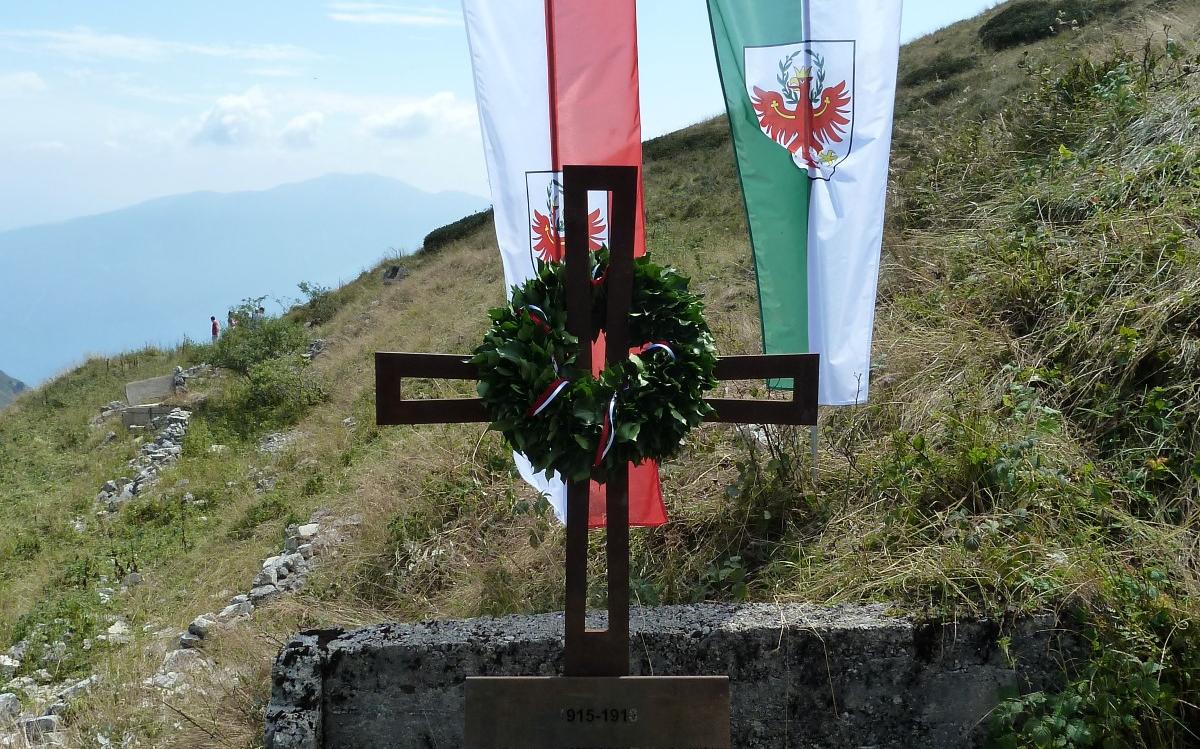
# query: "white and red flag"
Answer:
x=557 y=83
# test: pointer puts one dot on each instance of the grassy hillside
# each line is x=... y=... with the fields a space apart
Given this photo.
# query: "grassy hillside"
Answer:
x=1030 y=445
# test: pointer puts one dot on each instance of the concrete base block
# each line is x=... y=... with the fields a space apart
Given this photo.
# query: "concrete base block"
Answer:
x=141 y=416
x=800 y=676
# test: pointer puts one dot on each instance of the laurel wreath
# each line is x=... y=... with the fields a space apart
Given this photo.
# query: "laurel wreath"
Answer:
x=814 y=93
x=564 y=419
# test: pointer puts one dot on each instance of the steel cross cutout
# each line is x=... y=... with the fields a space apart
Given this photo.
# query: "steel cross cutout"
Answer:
x=593 y=653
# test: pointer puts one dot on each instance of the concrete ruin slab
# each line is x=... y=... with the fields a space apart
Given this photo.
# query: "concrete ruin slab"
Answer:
x=142 y=416
x=801 y=676
x=153 y=390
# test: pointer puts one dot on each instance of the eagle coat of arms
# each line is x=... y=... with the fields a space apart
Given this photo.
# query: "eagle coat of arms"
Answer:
x=803 y=97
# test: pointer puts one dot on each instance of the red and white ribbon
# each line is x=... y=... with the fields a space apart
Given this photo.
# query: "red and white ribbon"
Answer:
x=608 y=433
x=597 y=277
x=657 y=346
x=541 y=318
x=547 y=397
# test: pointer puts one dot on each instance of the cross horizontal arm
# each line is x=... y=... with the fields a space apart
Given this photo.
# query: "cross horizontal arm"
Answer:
x=391 y=408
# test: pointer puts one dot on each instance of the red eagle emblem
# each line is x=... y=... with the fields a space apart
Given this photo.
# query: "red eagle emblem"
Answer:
x=548 y=230
x=805 y=116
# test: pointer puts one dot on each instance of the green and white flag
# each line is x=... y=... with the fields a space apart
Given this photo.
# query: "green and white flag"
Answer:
x=810 y=87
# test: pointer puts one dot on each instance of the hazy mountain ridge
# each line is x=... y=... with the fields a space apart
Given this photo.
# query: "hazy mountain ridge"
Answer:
x=153 y=273
x=10 y=387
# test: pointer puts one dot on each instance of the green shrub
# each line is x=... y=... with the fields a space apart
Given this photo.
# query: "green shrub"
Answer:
x=703 y=137
x=251 y=343
x=268 y=507
x=277 y=392
x=460 y=229
x=322 y=302
x=942 y=67
x=1138 y=690
x=942 y=92
x=1031 y=20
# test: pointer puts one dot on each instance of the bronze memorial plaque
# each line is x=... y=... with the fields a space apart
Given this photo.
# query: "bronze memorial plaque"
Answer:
x=630 y=712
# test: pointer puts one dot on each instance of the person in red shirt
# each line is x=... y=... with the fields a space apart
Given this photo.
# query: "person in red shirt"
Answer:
x=216 y=328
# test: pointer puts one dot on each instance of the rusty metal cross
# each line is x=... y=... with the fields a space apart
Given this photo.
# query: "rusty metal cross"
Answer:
x=596 y=652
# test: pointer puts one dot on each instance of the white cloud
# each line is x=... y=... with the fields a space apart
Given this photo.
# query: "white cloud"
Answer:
x=301 y=131
x=83 y=43
x=12 y=84
x=443 y=111
x=391 y=14
x=234 y=120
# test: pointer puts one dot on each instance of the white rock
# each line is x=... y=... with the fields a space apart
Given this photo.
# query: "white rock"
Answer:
x=201 y=625
x=119 y=632
x=79 y=687
x=236 y=610
x=266 y=576
x=8 y=666
x=180 y=660
x=308 y=530
x=10 y=708
x=263 y=593
x=169 y=680
x=36 y=728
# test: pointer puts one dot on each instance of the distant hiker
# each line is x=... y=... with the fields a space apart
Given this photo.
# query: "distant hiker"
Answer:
x=216 y=328
x=230 y=321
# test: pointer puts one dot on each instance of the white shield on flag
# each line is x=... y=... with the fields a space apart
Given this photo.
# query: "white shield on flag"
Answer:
x=803 y=95
x=547 y=227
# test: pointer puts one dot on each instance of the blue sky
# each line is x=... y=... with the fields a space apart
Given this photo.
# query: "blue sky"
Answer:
x=108 y=104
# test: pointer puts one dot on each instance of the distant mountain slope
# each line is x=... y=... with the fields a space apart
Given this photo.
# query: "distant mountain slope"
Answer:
x=155 y=272
x=9 y=389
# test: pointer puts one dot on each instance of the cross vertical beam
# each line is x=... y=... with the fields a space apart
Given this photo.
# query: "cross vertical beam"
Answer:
x=599 y=652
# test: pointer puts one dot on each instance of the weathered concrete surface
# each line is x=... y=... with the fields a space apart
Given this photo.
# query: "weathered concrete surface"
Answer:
x=144 y=416
x=801 y=676
x=153 y=390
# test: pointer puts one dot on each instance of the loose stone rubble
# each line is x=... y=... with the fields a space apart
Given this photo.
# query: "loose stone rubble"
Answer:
x=315 y=349
x=283 y=573
x=32 y=706
x=277 y=442
x=155 y=456
x=20 y=728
